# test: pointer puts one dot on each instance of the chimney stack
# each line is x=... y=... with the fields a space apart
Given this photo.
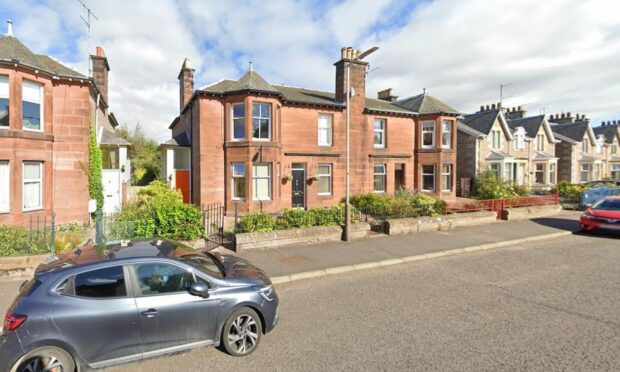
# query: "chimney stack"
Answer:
x=101 y=68
x=357 y=70
x=516 y=112
x=386 y=95
x=9 y=27
x=186 y=83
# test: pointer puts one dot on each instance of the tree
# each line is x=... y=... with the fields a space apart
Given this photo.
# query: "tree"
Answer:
x=143 y=154
x=95 y=166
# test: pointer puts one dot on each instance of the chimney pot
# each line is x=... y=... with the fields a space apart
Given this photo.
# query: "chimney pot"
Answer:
x=99 y=52
x=343 y=52
x=520 y=108
x=493 y=106
x=9 y=27
x=481 y=107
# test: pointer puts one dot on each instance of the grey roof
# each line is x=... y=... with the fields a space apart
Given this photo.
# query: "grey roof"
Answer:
x=498 y=155
x=481 y=121
x=179 y=141
x=587 y=158
x=12 y=50
x=543 y=156
x=252 y=81
x=531 y=124
x=426 y=104
x=610 y=131
x=563 y=138
x=469 y=130
x=109 y=138
x=575 y=131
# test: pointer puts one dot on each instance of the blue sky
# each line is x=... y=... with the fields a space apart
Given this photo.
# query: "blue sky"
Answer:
x=561 y=55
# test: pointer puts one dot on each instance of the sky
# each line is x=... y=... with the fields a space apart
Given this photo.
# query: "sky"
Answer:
x=556 y=55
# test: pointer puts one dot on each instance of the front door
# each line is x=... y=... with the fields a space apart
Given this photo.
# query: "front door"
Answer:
x=111 y=190
x=399 y=176
x=170 y=317
x=181 y=178
x=299 y=186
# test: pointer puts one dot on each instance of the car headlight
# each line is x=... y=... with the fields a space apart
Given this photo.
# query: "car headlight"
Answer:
x=267 y=292
x=588 y=216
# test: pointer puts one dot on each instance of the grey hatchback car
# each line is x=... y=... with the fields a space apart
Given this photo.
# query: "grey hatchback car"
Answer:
x=97 y=306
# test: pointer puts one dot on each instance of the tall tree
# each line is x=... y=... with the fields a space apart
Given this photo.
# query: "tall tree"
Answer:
x=143 y=154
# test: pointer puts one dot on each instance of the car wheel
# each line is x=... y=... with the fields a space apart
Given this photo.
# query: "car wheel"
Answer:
x=50 y=359
x=242 y=332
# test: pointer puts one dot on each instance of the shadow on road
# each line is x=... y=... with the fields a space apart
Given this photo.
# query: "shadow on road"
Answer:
x=565 y=224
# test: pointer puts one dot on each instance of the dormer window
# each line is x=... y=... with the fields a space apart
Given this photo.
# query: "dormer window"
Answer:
x=4 y=101
x=261 y=121
x=32 y=106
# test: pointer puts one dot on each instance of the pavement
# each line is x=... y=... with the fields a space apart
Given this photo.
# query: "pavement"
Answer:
x=549 y=305
x=295 y=261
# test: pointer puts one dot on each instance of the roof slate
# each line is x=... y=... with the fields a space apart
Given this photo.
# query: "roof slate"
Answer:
x=426 y=104
x=481 y=121
x=11 y=49
x=531 y=124
x=109 y=138
x=610 y=131
x=575 y=131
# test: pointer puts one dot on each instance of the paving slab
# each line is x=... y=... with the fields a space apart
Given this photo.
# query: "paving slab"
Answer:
x=307 y=258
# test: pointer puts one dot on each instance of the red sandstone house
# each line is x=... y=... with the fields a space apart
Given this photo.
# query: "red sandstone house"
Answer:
x=45 y=112
x=254 y=146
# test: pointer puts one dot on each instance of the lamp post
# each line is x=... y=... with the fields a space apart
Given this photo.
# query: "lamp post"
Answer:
x=347 y=205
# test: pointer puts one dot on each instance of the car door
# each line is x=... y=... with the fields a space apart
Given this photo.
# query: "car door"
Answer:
x=96 y=316
x=170 y=317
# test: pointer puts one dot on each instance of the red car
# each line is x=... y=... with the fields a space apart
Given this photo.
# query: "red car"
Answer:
x=602 y=215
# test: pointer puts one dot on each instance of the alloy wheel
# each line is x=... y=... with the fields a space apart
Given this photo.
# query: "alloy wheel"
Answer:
x=243 y=334
x=43 y=364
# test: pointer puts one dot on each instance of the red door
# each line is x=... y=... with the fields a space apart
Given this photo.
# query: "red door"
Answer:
x=182 y=183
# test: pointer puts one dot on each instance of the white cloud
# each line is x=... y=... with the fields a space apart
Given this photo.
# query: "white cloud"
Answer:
x=560 y=54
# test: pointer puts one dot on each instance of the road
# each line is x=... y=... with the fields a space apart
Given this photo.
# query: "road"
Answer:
x=551 y=305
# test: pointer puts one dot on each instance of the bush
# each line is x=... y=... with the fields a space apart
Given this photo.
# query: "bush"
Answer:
x=489 y=186
x=17 y=241
x=95 y=166
x=292 y=219
x=158 y=211
x=404 y=204
x=257 y=222
x=569 y=190
x=67 y=240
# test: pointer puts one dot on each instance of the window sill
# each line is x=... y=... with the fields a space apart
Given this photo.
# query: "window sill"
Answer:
x=378 y=192
x=33 y=130
x=32 y=209
x=325 y=196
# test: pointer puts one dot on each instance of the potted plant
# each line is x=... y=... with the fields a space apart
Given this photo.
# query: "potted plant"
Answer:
x=287 y=177
x=313 y=178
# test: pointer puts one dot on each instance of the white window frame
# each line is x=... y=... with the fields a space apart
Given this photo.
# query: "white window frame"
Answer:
x=327 y=175
x=37 y=180
x=540 y=142
x=5 y=185
x=428 y=174
x=449 y=175
x=270 y=119
x=41 y=105
x=5 y=92
x=327 y=127
x=519 y=141
x=552 y=173
x=536 y=172
x=614 y=149
x=233 y=176
x=587 y=169
x=382 y=174
x=255 y=178
x=381 y=131
x=596 y=172
x=496 y=136
x=614 y=168
x=498 y=172
x=446 y=124
x=428 y=126
x=232 y=124
x=585 y=146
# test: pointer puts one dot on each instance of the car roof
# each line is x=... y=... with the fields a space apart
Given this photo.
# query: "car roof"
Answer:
x=136 y=248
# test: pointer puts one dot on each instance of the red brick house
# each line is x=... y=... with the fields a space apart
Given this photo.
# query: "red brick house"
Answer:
x=267 y=147
x=45 y=112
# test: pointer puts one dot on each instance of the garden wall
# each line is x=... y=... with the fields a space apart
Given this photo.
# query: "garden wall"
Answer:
x=403 y=226
x=526 y=213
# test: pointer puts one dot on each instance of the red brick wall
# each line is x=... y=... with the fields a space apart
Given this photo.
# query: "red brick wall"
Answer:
x=63 y=147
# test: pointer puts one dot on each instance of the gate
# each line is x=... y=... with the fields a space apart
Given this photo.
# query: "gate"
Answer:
x=213 y=220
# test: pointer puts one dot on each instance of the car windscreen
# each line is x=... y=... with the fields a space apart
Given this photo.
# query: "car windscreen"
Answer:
x=205 y=263
x=607 y=205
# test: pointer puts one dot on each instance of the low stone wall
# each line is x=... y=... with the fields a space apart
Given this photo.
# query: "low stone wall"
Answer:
x=526 y=213
x=21 y=262
x=309 y=235
x=403 y=226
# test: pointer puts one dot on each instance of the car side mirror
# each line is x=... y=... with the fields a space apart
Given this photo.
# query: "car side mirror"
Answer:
x=200 y=289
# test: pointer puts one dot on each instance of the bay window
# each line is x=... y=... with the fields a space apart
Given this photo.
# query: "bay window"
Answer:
x=446 y=177
x=261 y=181
x=539 y=176
x=32 y=106
x=238 y=121
x=324 y=174
x=495 y=168
x=325 y=129
x=446 y=134
x=615 y=172
x=428 y=178
x=32 y=185
x=586 y=169
x=552 y=167
x=4 y=101
x=238 y=181
x=379 y=136
x=379 y=178
x=5 y=187
x=261 y=121
x=428 y=134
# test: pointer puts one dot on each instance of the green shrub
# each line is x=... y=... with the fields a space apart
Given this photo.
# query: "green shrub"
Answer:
x=489 y=186
x=17 y=241
x=404 y=204
x=293 y=219
x=569 y=190
x=158 y=211
x=95 y=167
x=256 y=222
